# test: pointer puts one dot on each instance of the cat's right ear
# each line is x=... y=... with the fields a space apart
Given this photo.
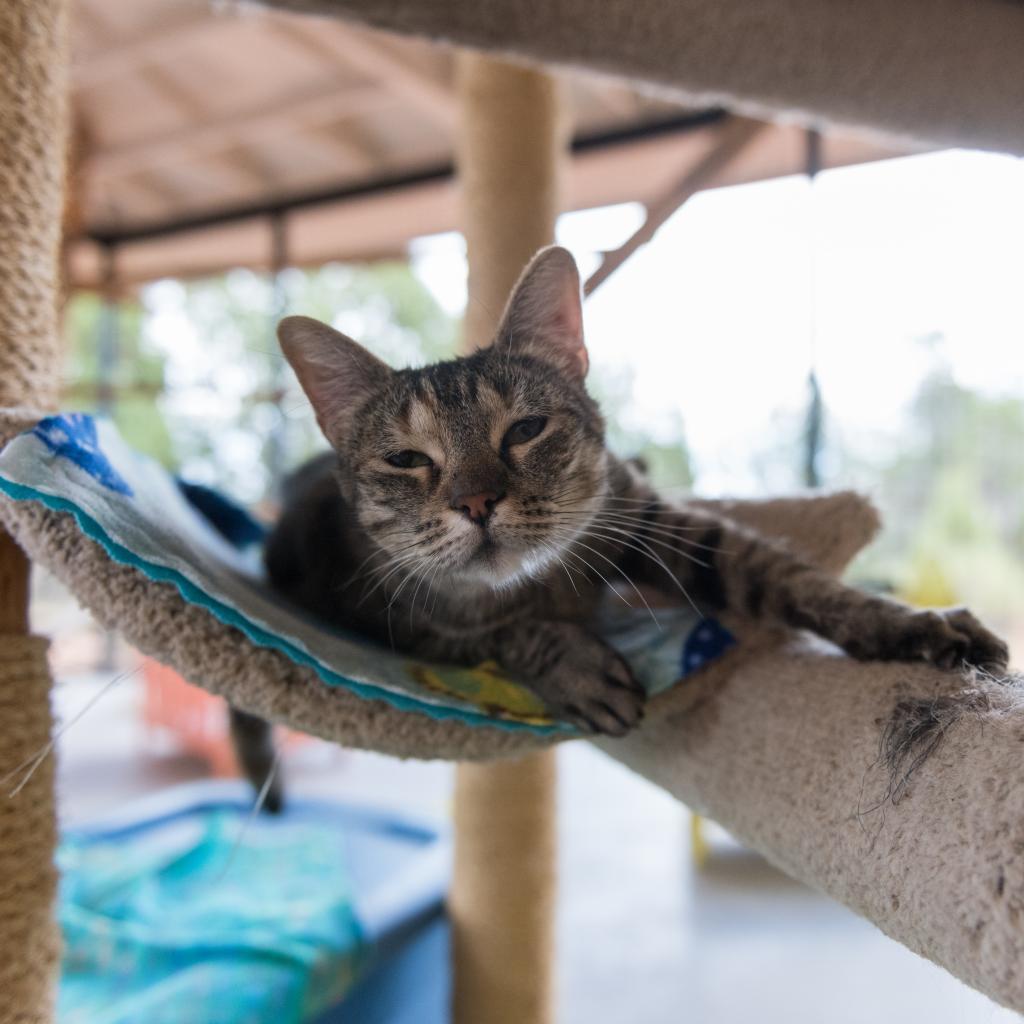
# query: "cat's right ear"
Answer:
x=336 y=372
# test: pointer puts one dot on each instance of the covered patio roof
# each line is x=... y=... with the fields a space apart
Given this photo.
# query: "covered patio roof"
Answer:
x=202 y=129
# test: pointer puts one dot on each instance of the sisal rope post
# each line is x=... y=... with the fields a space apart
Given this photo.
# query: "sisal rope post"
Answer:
x=512 y=143
x=513 y=140
x=33 y=90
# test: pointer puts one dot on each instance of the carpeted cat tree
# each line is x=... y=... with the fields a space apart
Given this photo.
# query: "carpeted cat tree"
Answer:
x=512 y=143
x=33 y=90
x=891 y=787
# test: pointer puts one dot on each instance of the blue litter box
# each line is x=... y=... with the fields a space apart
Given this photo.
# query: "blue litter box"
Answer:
x=186 y=909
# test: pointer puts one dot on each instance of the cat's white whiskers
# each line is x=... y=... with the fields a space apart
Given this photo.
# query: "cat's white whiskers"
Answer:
x=557 y=558
x=658 y=539
x=395 y=566
x=358 y=574
x=411 y=574
x=389 y=568
x=620 y=571
x=589 y=565
x=623 y=538
x=634 y=518
x=421 y=577
x=633 y=515
x=433 y=563
x=672 y=546
x=666 y=533
x=639 y=525
x=32 y=764
x=430 y=586
x=625 y=576
x=437 y=591
x=660 y=498
x=261 y=799
x=653 y=555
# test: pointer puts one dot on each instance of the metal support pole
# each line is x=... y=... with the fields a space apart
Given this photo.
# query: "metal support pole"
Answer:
x=814 y=421
x=277 y=442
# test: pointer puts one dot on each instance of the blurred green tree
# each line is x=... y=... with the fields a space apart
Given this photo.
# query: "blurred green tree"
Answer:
x=950 y=489
x=197 y=381
x=661 y=446
x=129 y=387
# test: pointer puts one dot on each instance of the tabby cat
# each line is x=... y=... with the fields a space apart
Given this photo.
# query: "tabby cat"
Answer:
x=470 y=510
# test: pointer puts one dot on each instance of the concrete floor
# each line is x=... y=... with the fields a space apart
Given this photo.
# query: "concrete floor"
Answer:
x=644 y=936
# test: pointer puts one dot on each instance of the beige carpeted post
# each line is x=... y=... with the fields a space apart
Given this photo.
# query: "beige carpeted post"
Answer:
x=502 y=899
x=32 y=127
x=512 y=142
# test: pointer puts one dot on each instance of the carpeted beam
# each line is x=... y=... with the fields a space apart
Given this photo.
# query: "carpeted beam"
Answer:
x=941 y=72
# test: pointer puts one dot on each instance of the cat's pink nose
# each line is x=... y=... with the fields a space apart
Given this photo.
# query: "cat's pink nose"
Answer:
x=477 y=507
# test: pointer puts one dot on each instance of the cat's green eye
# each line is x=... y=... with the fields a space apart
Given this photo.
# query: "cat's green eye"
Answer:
x=525 y=430
x=409 y=459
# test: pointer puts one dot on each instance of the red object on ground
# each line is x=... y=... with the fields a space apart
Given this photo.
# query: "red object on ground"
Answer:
x=196 y=719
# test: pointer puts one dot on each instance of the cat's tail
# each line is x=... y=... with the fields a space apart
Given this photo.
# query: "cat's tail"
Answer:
x=253 y=739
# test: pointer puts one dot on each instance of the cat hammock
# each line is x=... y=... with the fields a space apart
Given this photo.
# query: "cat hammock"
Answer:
x=206 y=551
x=819 y=762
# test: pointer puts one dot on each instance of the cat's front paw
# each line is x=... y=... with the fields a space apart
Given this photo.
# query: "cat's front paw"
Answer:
x=593 y=688
x=951 y=638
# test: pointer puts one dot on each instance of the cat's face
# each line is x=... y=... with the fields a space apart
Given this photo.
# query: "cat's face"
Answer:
x=482 y=469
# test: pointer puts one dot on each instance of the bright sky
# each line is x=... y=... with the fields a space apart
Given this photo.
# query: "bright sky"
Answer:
x=721 y=314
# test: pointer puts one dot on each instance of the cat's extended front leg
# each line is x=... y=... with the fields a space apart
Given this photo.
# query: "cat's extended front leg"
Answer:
x=577 y=675
x=722 y=565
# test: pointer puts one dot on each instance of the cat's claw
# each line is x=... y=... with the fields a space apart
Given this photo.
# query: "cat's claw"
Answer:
x=595 y=691
x=951 y=639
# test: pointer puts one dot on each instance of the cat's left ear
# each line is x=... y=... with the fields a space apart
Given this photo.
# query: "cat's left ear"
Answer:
x=544 y=316
x=337 y=374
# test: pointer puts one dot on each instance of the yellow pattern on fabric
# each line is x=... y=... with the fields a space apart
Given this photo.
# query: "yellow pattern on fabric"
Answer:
x=487 y=687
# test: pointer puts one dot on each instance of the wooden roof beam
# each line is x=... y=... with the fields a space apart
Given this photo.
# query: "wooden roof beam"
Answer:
x=146 y=197
x=377 y=59
x=173 y=92
x=732 y=139
x=155 y=43
x=229 y=166
x=310 y=109
x=338 y=148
